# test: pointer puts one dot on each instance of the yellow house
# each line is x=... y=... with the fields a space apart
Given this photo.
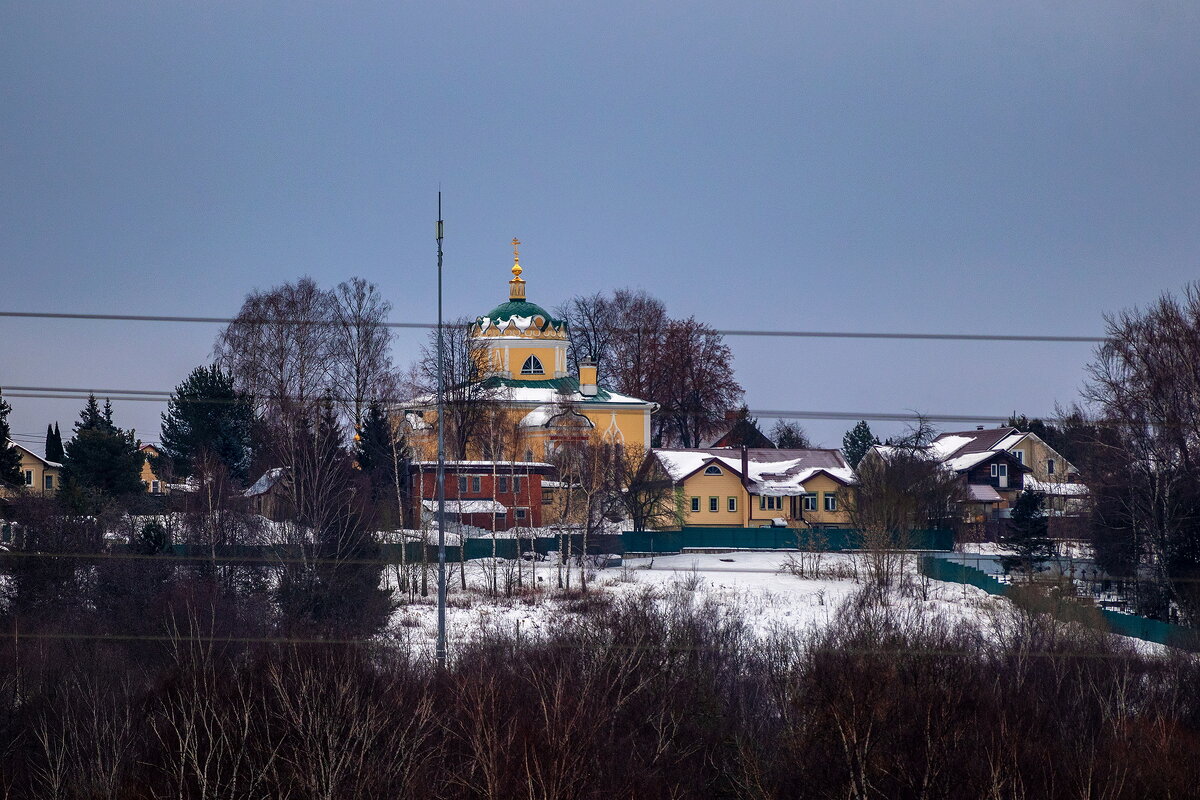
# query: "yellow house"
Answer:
x=524 y=352
x=40 y=476
x=755 y=487
x=153 y=484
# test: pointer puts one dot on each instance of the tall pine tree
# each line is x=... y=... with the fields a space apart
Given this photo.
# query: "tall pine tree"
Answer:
x=101 y=459
x=10 y=457
x=857 y=441
x=206 y=415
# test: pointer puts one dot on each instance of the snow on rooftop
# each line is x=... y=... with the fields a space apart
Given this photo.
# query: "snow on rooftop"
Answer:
x=969 y=460
x=484 y=506
x=781 y=477
x=1056 y=489
x=947 y=445
x=264 y=483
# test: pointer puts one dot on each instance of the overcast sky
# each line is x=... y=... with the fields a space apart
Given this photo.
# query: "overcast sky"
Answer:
x=1016 y=167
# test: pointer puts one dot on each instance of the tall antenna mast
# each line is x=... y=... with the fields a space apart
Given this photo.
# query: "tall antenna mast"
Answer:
x=441 y=458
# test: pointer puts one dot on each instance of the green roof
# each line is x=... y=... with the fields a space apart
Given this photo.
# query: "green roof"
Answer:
x=520 y=308
x=566 y=385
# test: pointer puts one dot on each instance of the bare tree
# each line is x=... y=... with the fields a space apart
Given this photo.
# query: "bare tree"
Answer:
x=702 y=386
x=644 y=490
x=469 y=395
x=282 y=346
x=900 y=488
x=1145 y=474
x=362 y=369
x=789 y=435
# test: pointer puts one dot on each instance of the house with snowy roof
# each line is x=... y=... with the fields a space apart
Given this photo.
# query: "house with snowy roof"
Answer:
x=753 y=487
x=1046 y=470
x=39 y=475
x=524 y=348
x=492 y=495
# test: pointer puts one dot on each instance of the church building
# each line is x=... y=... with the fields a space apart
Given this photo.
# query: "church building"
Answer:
x=523 y=350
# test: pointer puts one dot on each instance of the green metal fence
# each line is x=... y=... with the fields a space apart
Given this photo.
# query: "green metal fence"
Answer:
x=829 y=539
x=1149 y=630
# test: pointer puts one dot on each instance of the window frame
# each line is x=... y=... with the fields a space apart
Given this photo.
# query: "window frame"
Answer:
x=476 y=485
x=731 y=505
x=28 y=477
x=1050 y=466
x=533 y=366
x=714 y=505
x=696 y=504
x=770 y=503
x=810 y=501
x=520 y=513
x=830 y=503
x=712 y=470
x=47 y=482
x=502 y=484
x=462 y=484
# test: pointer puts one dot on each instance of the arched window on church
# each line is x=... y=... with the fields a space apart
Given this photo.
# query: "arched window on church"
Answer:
x=532 y=366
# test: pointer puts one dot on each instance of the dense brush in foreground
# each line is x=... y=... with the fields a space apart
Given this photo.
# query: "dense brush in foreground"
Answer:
x=638 y=699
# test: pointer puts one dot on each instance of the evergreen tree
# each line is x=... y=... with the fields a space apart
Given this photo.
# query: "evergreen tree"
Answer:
x=381 y=455
x=54 y=444
x=206 y=414
x=857 y=441
x=10 y=457
x=101 y=459
x=1025 y=535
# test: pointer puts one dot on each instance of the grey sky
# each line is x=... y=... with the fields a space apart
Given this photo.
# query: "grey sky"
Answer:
x=947 y=167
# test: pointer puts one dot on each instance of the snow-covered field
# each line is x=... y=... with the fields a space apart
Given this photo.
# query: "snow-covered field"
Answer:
x=754 y=585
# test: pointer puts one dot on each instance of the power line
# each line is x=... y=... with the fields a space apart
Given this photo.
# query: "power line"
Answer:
x=961 y=337
x=161 y=396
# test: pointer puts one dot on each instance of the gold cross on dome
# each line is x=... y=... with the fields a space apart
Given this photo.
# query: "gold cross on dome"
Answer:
x=516 y=255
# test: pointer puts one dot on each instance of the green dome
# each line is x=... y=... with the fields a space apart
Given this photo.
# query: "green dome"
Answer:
x=520 y=308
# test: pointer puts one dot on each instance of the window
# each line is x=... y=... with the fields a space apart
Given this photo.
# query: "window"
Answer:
x=516 y=484
x=731 y=504
x=48 y=482
x=713 y=469
x=29 y=477
x=999 y=470
x=1049 y=466
x=695 y=504
x=155 y=487
x=462 y=484
x=502 y=484
x=476 y=488
x=810 y=501
x=830 y=501
x=770 y=503
x=1020 y=454
x=532 y=366
x=522 y=513
x=714 y=503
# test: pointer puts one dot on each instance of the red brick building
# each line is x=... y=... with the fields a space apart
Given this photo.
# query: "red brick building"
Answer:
x=493 y=495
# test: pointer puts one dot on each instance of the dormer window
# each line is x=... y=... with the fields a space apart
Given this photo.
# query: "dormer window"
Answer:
x=532 y=366
x=713 y=470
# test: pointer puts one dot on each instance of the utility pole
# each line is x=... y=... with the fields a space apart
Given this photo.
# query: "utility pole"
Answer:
x=441 y=457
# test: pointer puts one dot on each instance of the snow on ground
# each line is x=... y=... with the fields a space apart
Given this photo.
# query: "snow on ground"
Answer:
x=754 y=585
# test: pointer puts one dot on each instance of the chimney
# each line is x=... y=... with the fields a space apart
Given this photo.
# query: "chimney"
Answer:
x=745 y=467
x=587 y=378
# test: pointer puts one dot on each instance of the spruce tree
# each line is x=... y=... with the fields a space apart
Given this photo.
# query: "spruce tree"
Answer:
x=1026 y=535
x=857 y=441
x=10 y=457
x=380 y=453
x=101 y=460
x=206 y=414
